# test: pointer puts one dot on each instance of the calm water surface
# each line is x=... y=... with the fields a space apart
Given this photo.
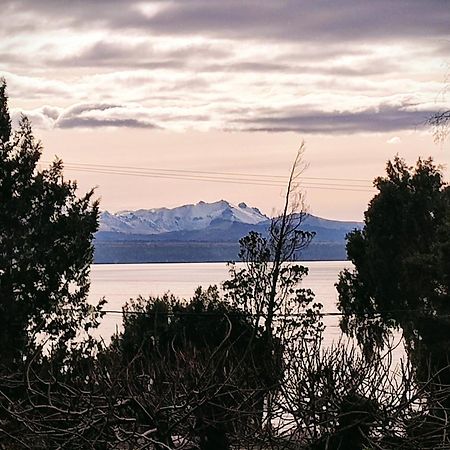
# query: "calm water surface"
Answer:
x=120 y=282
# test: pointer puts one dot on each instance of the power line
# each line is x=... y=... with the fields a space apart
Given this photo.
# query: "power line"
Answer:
x=239 y=174
x=209 y=313
x=245 y=314
x=223 y=180
x=218 y=177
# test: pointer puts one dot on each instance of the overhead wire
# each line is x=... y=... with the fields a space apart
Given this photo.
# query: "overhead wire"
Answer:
x=221 y=177
x=227 y=177
x=281 y=177
x=239 y=313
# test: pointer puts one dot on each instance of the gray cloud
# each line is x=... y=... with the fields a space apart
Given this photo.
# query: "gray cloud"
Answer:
x=203 y=58
x=88 y=116
x=309 y=21
x=51 y=112
x=142 y=55
x=93 y=122
x=291 y=20
x=103 y=115
x=250 y=65
x=381 y=119
x=375 y=66
x=309 y=121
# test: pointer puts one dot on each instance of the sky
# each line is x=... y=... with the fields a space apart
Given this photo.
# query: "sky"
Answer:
x=163 y=103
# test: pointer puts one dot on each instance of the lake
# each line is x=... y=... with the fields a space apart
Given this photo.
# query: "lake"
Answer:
x=120 y=282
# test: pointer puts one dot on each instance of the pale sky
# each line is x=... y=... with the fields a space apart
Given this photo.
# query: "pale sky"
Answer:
x=171 y=95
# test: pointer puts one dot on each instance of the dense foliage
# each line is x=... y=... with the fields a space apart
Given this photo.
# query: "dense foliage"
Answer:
x=5 y=119
x=202 y=350
x=402 y=259
x=46 y=234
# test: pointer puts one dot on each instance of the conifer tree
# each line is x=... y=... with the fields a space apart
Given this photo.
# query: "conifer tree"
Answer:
x=402 y=264
x=46 y=250
x=5 y=120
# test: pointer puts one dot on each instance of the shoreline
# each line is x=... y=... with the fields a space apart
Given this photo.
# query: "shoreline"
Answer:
x=209 y=262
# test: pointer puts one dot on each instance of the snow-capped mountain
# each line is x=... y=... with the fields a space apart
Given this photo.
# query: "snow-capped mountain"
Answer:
x=182 y=218
x=202 y=232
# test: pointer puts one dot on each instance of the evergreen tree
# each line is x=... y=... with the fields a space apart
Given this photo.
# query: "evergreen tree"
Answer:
x=46 y=250
x=5 y=120
x=401 y=257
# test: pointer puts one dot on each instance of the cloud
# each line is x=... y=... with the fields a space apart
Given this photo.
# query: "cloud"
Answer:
x=381 y=119
x=290 y=20
x=309 y=121
x=104 y=115
x=43 y=117
x=23 y=86
x=394 y=140
x=142 y=54
x=88 y=116
x=292 y=65
x=318 y=20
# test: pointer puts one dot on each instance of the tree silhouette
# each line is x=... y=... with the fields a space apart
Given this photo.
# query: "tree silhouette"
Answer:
x=440 y=122
x=46 y=234
x=5 y=120
x=401 y=257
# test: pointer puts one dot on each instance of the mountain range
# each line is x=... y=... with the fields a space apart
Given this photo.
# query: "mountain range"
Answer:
x=202 y=232
x=183 y=218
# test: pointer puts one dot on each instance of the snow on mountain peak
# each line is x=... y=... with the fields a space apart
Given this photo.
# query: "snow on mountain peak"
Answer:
x=187 y=217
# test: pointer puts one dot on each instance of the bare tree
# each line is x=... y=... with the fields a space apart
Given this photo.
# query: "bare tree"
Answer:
x=268 y=285
x=268 y=288
x=440 y=122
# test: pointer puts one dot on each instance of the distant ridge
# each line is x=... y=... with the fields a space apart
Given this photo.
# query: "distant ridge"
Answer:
x=182 y=218
x=202 y=232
